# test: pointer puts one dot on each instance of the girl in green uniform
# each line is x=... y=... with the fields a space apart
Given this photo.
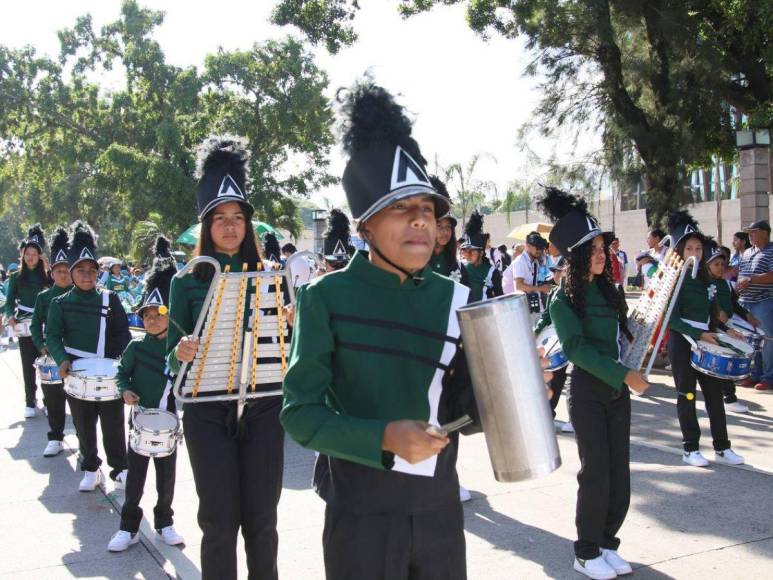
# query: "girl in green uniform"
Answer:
x=237 y=465
x=443 y=260
x=589 y=316
x=23 y=288
x=481 y=276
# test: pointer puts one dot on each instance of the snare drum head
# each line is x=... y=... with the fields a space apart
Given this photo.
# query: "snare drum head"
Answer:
x=96 y=367
x=547 y=338
x=741 y=345
x=155 y=420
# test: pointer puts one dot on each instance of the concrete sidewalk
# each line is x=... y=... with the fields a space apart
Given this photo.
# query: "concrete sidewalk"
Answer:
x=684 y=522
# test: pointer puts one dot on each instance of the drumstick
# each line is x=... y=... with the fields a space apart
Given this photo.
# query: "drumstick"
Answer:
x=164 y=311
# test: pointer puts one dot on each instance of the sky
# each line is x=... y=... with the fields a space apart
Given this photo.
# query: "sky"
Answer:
x=467 y=95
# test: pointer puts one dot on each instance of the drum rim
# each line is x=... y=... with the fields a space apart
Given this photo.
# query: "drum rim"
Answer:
x=717 y=375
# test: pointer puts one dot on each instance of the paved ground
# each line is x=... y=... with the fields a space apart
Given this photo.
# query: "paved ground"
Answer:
x=684 y=522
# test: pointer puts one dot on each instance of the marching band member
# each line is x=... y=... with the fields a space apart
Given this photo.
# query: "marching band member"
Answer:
x=727 y=305
x=443 y=260
x=337 y=242
x=237 y=466
x=691 y=318
x=116 y=281
x=23 y=288
x=559 y=377
x=482 y=278
x=589 y=315
x=142 y=380
x=374 y=360
x=89 y=322
x=53 y=395
x=271 y=253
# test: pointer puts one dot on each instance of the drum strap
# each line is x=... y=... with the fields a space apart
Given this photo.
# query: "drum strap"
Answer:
x=696 y=324
x=22 y=308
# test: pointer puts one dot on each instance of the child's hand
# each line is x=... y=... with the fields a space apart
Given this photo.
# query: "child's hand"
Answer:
x=130 y=397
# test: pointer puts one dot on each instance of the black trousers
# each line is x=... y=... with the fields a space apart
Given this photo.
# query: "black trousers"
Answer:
x=392 y=546
x=110 y=415
x=237 y=469
x=557 y=385
x=685 y=378
x=601 y=418
x=729 y=392
x=28 y=354
x=131 y=513
x=55 y=401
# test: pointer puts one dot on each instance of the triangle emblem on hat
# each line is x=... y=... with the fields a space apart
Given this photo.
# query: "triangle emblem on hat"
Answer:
x=154 y=299
x=688 y=229
x=228 y=188
x=405 y=171
x=592 y=225
x=86 y=255
x=60 y=256
x=340 y=250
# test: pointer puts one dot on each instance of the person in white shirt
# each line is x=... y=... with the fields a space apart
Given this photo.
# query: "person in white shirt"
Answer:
x=523 y=273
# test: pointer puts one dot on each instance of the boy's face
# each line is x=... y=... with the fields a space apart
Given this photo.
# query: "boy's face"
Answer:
x=404 y=232
x=471 y=256
x=61 y=275
x=155 y=323
x=717 y=267
x=693 y=247
x=84 y=276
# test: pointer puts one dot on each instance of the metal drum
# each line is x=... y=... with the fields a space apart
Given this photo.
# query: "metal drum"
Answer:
x=509 y=387
x=548 y=339
x=93 y=379
x=135 y=321
x=731 y=362
x=154 y=433
x=22 y=329
x=48 y=370
x=751 y=335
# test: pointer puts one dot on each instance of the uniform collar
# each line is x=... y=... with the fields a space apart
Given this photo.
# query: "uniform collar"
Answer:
x=234 y=261
x=78 y=292
x=360 y=267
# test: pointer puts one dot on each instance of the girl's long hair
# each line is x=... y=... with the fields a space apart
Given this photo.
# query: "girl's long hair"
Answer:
x=577 y=274
x=24 y=272
x=703 y=271
x=450 y=249
x=205 y=246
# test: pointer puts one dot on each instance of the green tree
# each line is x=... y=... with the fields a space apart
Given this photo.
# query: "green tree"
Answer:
x=662 y=74
x=73 y=148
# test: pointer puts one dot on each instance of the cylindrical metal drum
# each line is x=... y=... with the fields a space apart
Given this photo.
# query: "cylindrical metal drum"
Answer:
x=509 y=388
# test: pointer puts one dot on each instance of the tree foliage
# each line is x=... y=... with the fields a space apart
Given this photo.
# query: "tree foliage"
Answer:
x=74 y=148
x=664 y=75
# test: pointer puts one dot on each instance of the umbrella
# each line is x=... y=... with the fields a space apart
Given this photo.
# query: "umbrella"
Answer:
x=524 y=230
x=108 y=261
x=191 y=235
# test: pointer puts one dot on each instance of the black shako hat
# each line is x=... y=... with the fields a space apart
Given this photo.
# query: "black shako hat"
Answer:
x=160 y=276
x=474 y=238
x=337 y=242
x=681 y=225
x=573 y=224
x=385 y=164
x=83 y=245
x=60 y=245
x=221 y=168
x=441 y=188
x=35 y=238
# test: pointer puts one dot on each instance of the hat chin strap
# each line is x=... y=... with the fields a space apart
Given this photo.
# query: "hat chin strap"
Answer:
x=411 y=276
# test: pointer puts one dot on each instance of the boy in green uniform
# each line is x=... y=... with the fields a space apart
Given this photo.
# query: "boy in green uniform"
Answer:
x=53 y=394
x=374 y=362
x=87 y=322
x=23 y=288
x=143 y=380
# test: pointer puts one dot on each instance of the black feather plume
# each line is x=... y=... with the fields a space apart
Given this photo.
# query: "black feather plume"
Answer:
x=679 y=219
x=439 y=186
x=162 y=247
x=37 y=231
x=226 y=153
x=271 y=250
x=557 y=203
x=338 y=225
x=59 y=241
x=474 y=225
x=83 y=236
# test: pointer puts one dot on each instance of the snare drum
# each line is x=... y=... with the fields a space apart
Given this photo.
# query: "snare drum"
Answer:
x=755 y=339
x=154 y=433
x=48 y=370
x=723 y=362
x=22 y=329
x=548 y=339
x=93 y=379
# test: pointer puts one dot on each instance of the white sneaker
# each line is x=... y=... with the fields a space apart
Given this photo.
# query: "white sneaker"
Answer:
x=737 y=407
x=728 y=457
x=464 y=494
x=120 y=479
x=122 y=540
x=598 y=569
x=567 y=427
x=620 y=566
x=29 y=412
x=53 y=448
x=91 y=480
x=694 y=458
x=170 y=536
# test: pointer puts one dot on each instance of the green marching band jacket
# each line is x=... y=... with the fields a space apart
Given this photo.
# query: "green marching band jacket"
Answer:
x=693 y=305
x=368 y=350
x=20 y=301
x=40 y=315
x=544 y=319
x=86 y=324
x=142 y=370
x=590 y=342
